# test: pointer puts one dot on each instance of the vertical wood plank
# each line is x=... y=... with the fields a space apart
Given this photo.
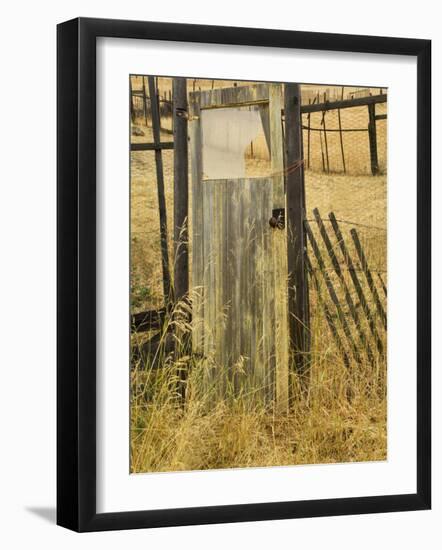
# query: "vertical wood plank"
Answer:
x=225 y=337
x=180 y=210
x=180 y=189
x=279 y=247
x=269 y=300
x=213 y=285
x=372 y=138
x=132 y=109
x=247 y=282
x=197 y=226
x=276 y=145
x=144 y=99
x=341 y=139
x=209 y=320
x=235 y=241
x=308 y=138
x=325 y=135
x=281 y=324
x=322 y=148
x=161 y=195
x=306 y=292
x=264 y=313
x=296 y=245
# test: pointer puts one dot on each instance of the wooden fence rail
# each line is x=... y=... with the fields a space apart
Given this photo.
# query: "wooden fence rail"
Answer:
x=167 y=285
x=344 y=104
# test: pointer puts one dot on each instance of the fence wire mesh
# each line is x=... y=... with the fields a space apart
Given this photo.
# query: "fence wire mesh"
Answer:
x=338 y=179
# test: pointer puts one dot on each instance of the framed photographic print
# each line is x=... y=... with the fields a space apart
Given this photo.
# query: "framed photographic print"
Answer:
x=243 y=274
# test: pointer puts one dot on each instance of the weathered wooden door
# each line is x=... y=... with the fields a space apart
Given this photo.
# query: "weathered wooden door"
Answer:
x=239 y=262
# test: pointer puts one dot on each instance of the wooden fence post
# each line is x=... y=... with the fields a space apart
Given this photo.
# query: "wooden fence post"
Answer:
x=144 y=100
x=132 y=110
x=372 y=138
x=296 y=244
x=181 y=212
x=180 y=188
x=160 y=187
x=320 y=141
x=308 y=138
x=325 y=136
x=341 y=140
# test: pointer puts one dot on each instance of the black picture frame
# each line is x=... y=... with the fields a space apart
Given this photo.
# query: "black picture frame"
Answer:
x=77 y=287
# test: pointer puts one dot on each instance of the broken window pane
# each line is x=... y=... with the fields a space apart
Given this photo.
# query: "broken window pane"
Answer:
x=235 y=142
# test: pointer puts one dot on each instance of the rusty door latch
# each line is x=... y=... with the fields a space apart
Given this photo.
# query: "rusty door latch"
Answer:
x=277 y=221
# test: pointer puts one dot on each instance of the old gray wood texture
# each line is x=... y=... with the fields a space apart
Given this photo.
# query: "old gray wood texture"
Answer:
x=180 y=189
x=279 y=249
x=237 y=263
x=296 y=240
x=156 y=125
x=197 y=224
x=276 y=144
x=230 y=97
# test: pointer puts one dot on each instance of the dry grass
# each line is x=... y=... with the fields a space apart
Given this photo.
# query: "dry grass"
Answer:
x=341 y=418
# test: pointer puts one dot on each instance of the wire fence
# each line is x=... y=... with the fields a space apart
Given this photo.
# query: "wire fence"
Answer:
x=349 y=141
x=357 y=199
x=347 y=290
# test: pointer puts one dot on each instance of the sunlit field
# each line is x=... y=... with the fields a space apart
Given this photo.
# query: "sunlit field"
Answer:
x=340 y=416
